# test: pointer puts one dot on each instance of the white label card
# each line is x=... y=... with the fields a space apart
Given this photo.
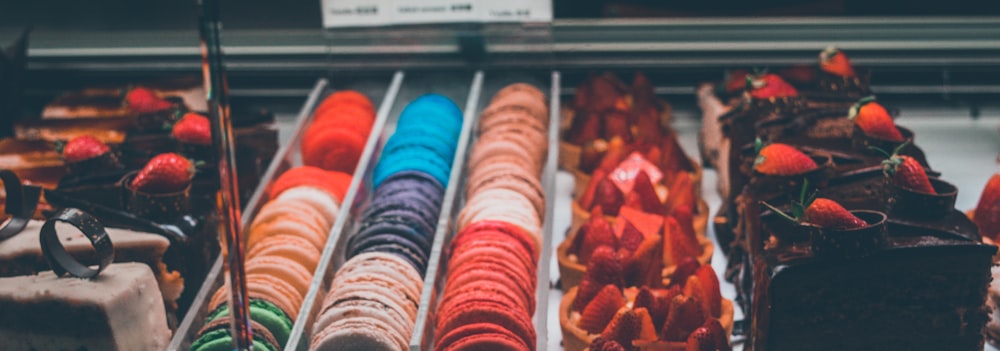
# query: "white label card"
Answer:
x=435 y=11
x=356 y=13
x=369 y=13
x=516 y=10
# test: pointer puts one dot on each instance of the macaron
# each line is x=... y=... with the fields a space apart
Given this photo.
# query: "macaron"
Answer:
x=372 y=305
x=333 y=149
x=480 y=336
x=318 y=200
x=267 y=314
x=334 y=183
x=346 y=97
x=288 y=246
x=412 y=160
x=280 y=267
x=518 y=322
x=216 y=336
x=357 y=334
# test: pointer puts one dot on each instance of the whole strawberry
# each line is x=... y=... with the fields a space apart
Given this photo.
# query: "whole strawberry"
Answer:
x=987 y=215
x=165 y=173
x=782 y=159
x=143 y=100
x=834 y=61
x=906 y=172
x=84 y=147
x=874 y=120
x=193 y=128
x=770 y=85
x=827 y=213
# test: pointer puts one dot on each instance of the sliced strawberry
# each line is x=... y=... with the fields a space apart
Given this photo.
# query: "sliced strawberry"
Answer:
x=770 y=86
x=84 y=147
x=643 y=94
x=606 y=90
x=608 y=197
x=616 y=126
x=587 y=127
x=601 y=344
x=906 y=172
x=643 y=187
x=718 y=333
x=687 y=267
x=700 y=340
x=596 y=233
x=630 y=325
x=165 y=173
x=143 y=100
x=685 y=316
x=617 y=151
x=587 y=200
x=987 y=215
x=655 y=302
x=678 y=245
x=694 y=289
x=644 y=266
x=874 y=120
x=648 y=130
x=784 y=160
x=585 y=292
x=681 y=194
x=673 y=158
x=712 y=291
x=601 y=309
x=834 y=61
x=605 y=267
x=829 y=214
x=193 y=128
x=631 y=237
x=648 y=224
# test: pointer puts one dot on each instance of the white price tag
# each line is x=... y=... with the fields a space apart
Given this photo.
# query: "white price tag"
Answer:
x=369 y=13
x=356 y=13
x=435 y=11
x=516 y=10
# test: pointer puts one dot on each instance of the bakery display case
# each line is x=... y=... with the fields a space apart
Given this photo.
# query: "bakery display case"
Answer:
x=937 y=76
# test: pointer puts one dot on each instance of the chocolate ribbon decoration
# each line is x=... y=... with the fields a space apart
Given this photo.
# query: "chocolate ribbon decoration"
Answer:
x=175 y=232
x=60 y=260
x=20 y=204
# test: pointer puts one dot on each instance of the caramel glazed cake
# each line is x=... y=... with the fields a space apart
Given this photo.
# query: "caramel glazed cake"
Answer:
x=916 y=281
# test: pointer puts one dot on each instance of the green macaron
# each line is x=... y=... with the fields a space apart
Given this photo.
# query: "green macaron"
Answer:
x=215 y=336
x=267 y=314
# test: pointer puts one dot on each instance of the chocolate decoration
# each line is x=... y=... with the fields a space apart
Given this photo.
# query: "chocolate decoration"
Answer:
x=174 y=231
x=838 y=86
x=863 y=142
x=157 y=122
x=60 y=260
x=103 y=164
x=20 y=204
x=164 y=207
x=852 y=243
x=911 y=204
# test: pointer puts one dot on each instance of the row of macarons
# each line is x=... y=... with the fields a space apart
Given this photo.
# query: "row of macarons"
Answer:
x=398 y=224
x=488 y=298
x=373 y=300
x=287 y=236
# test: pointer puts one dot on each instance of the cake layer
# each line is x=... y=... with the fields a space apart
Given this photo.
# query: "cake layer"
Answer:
x=120 y=309
x=22 y=254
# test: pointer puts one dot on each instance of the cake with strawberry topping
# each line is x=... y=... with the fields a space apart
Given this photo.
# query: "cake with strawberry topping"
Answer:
x=835 y=225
